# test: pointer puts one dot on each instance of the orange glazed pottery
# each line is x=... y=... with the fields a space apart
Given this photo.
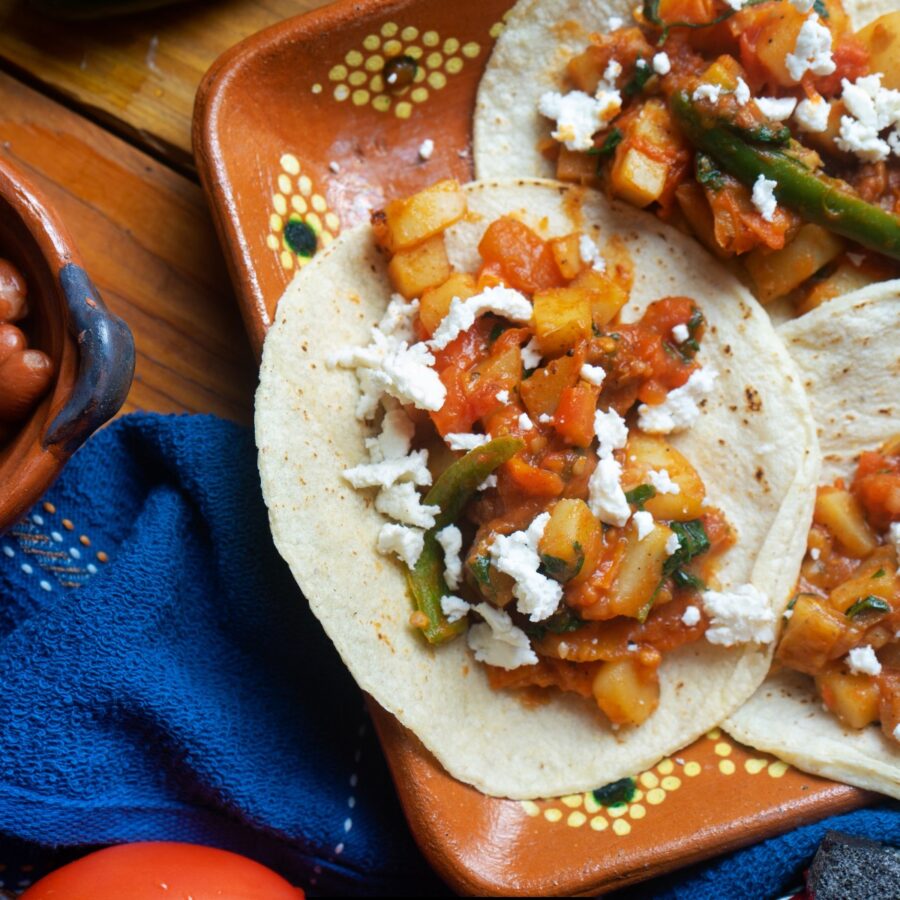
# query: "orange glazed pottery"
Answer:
x=92 y=351
x=298 y=125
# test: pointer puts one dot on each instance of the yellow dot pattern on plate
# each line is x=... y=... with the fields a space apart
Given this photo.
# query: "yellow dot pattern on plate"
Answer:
x=531 y=808
x=290 y=205
x=666 y=767
x=778 y=768
x=618 y=810
x=649 y=780
x=723 y=749
x=637 y=811
x=573 y=801
x=553 y=814
x=714 y=734
x=598 y=823
x=671 y=783
x=755 y=766
x=316 y=88
x=621 y=827
x=727 y=767
x=358 y=77
x=692 y=769
x=576 y=819
x=590 y=803
x=497 y=27
x=656 y=796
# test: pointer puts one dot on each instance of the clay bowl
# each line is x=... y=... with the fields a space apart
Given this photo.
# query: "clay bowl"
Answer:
x=92 y=350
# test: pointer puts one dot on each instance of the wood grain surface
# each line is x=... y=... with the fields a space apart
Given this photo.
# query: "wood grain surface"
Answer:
x=138 y=74
x=148 y=242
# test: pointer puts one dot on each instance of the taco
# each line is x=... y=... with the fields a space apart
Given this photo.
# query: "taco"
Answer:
x=621 y=464
x=770 y=131
x=832 y=705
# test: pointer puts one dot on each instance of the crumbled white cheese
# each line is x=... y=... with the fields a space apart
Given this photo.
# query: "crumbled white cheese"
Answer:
x=383 y=474
x=661 y=63
x=398 y=318
x=611 y=431
x=778 y=109
x=863 y=661
x=458 y=440
x=612 y=71
x=673 y=544
x=815 y=553
x=680 y=333
x=517 y=555
x=454 y=608
x=590 y=253
x=812 y=51
x=525 y=423
x=681 y=407
x=593 y=374
x=606 y=498
x=803 y=6
x=502 y=301
x=545 y=419
x=396 y=436
x=450 y=539
x=613 y=23
x=691 y=616
x=403 y=503
x=334 y=167
x=894 y=538
x=489 y=482
x=531 y=354
x=407 y=543
x=426 y=148
x=763 y=197
x=896 y=733
x=498 y=642
x=662 y=481
x=643 y=521
x=736 y=5
x=503 y=396
x=707 y=92
x=871 y=109
x=738 y=616
x=742 y=92
x=579 y=116
x=812 y=115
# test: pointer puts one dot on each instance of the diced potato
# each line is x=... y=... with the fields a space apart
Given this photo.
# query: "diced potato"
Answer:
x=839 y=511
x=852 y=698
x=626 y=691
x=541 y=392
x=694 y=11
x=882 y=39
x=608 y=295
x=419 y=268
x=844 y=279
x=435 y=302
x=495 y=586
x=889 y=708
x=562 y=317
x=777 y=38
x=645 y=452
x=867 y=582
x=577 y=167
x=636 y=177
x=567 y=255
x=724 y=72
x=693 y=204
x=415 y=219
x=640 y=571
x=499 y=372
x=810 y=634
x=777 y=272
x=571 y=543
x=586 y=69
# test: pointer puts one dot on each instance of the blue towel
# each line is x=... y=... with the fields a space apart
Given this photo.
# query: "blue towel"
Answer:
x=163 y=678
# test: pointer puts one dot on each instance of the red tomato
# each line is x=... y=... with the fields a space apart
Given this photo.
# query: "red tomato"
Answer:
x=162 y=871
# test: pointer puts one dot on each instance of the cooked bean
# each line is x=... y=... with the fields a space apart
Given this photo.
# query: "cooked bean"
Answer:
x=24 y=377
x=11 y=340
x=13 y=303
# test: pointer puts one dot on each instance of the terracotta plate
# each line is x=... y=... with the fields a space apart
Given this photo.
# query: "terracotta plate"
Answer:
x=296 y=125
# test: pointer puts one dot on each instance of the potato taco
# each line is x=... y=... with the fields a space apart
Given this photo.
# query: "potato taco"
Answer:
x=832 y=704
x=544 y=474
x=770 y=131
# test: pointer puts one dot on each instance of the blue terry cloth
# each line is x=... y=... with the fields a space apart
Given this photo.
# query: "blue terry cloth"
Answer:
x=163 y=679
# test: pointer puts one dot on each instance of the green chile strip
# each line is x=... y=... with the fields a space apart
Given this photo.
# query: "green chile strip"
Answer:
x=451 y=492
x=818 y=198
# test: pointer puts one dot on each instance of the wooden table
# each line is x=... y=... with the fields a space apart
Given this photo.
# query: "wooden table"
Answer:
x=99 y=113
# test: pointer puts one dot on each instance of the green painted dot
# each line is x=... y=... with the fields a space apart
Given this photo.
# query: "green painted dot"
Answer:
x=301 y=238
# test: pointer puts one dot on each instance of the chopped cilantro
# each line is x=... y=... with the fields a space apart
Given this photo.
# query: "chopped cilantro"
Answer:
x=685 y=579
x=642 y=74
x=879 y=574
x=640 y=495
x=793 y=602
x=820 y=7
x=707 y=173
x=694 y=541
x=605 y=150
x=621 y=791
x=868 y=604
x=651 y=14
x=563 y=621
x=561 y=569
x=496 y=331
x=480 y=567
